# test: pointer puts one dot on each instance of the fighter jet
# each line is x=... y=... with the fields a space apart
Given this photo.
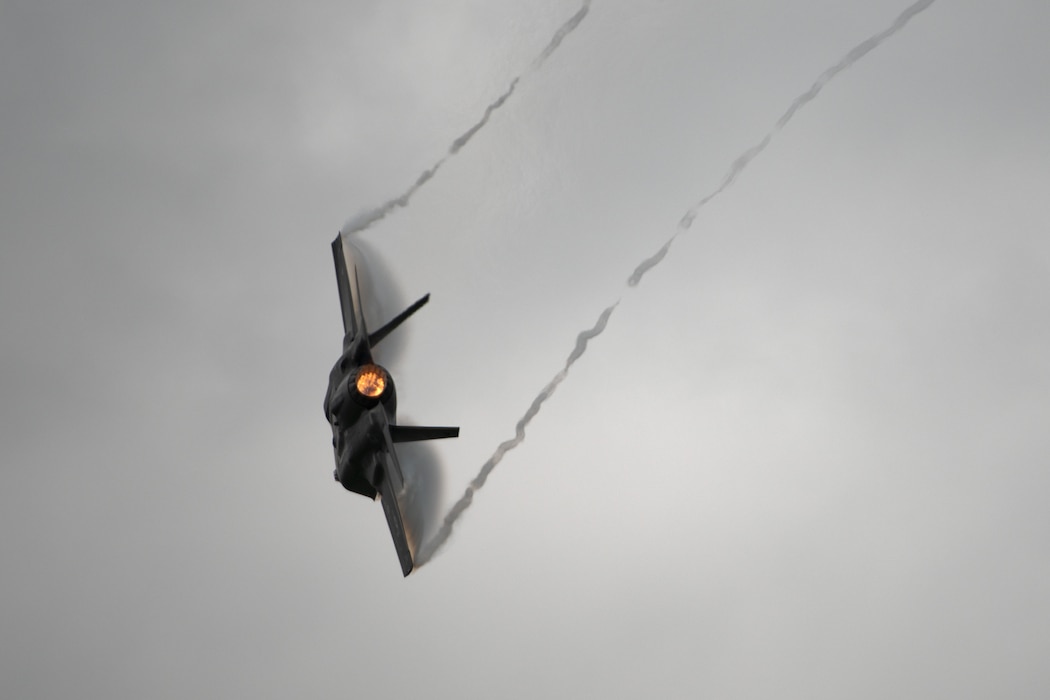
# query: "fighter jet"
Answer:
x=361 y=405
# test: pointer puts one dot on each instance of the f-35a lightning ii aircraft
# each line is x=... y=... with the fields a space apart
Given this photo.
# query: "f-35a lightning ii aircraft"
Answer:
x=361 y=405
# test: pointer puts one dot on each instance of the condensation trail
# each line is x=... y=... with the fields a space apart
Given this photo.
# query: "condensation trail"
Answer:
x=365 y=219
x=855 y=54
x=859 y=51
x=433 y=544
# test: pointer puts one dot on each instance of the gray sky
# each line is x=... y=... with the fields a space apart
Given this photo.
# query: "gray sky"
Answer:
x=807 y=458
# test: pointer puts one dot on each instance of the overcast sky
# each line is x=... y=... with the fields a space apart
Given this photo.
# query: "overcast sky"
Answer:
x=808 y=457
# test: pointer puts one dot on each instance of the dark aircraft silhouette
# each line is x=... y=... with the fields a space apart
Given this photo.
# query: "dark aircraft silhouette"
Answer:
x=361 y=405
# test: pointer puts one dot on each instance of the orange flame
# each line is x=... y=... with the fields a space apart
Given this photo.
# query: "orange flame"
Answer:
x=371 y=381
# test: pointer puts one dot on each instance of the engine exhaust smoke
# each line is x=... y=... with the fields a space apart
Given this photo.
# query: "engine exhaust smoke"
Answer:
x=363 y=220
x=428 y=550
x=855 y=54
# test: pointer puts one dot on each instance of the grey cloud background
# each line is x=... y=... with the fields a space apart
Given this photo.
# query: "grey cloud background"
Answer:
x=830 y=482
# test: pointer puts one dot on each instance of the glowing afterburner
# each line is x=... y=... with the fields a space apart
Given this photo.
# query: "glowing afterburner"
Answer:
x=371 y=381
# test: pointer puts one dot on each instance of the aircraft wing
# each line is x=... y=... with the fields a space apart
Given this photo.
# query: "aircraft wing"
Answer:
x=391 y=483
x=346 y=275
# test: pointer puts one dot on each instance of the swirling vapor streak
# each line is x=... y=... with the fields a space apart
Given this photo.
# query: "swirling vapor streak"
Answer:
x=744 y=159
x=365 y=219
x=738 y=166
x=428 y=550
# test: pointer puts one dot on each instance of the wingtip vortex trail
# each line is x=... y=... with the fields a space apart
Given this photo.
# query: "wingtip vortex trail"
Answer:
x=372 y=216
x=744 y=159
x=431 y=547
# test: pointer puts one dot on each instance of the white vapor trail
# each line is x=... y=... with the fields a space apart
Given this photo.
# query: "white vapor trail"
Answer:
x=743 y=160
x=431 y=546
x=365 y=219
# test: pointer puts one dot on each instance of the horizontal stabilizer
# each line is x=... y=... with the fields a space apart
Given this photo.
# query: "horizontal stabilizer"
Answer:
x=415 y=433
x=375 y=338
